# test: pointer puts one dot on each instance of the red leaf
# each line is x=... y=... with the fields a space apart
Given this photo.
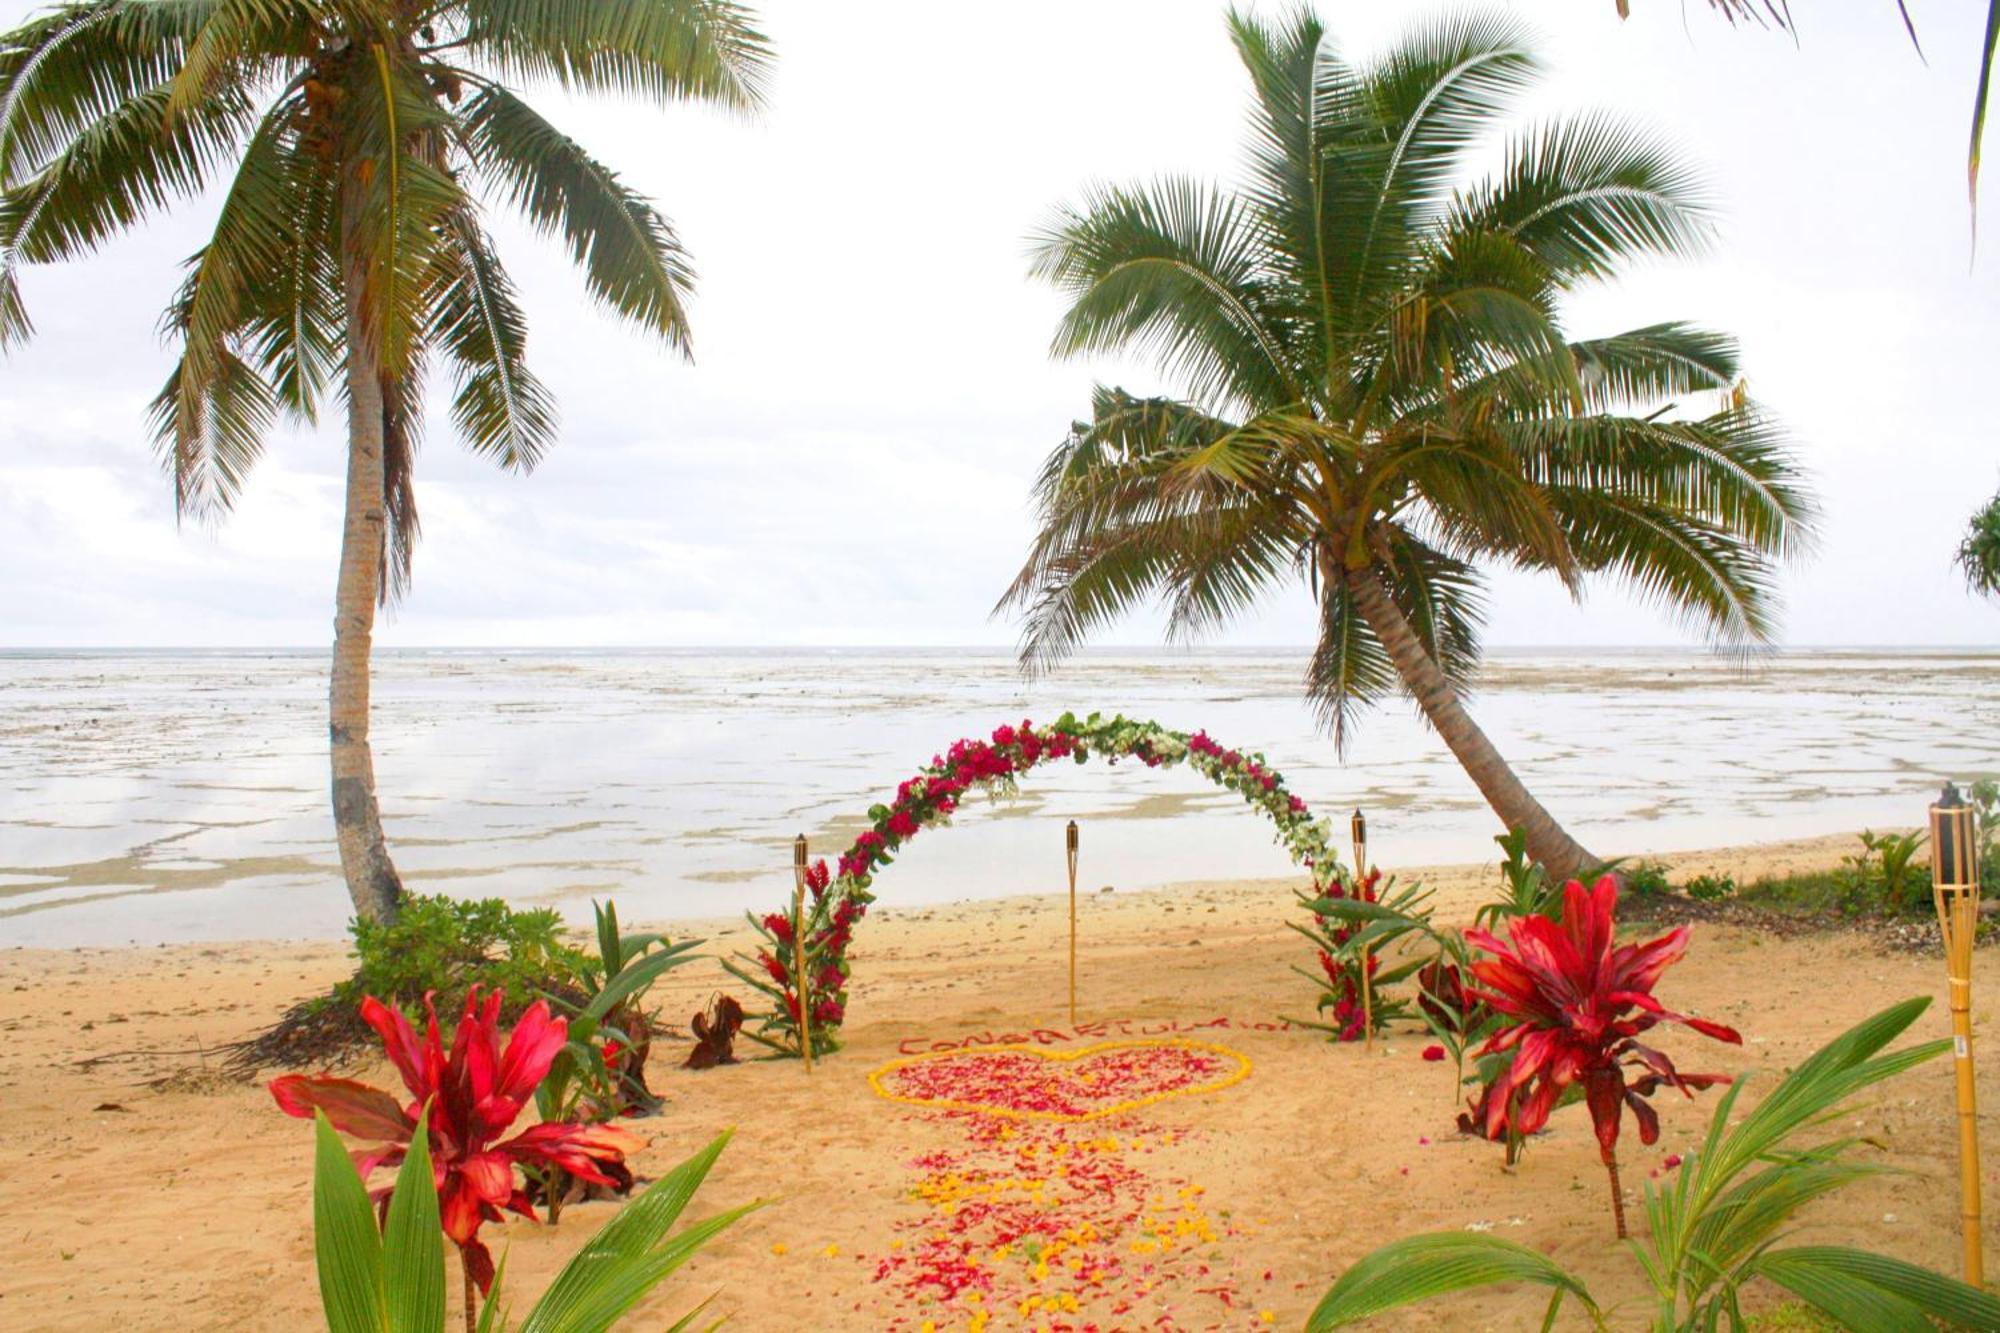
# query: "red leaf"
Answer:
x=354 y=1108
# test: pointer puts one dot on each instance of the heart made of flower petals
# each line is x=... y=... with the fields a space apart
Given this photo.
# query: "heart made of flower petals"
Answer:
x=1085 y=1084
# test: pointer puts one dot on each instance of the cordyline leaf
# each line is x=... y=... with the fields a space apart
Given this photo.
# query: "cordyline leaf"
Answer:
x=354 y=1108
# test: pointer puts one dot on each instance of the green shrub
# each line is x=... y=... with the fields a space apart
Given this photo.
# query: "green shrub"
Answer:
x=1985 y=798
x=1647 y=879
x=1710 y=888
x=448 y=945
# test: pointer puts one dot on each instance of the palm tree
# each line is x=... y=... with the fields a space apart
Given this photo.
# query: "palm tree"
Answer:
x=350 y=254
x=1978 y=555
x=1378 y=396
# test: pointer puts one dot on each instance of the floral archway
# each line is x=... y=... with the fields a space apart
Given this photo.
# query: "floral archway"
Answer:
x=839 y=898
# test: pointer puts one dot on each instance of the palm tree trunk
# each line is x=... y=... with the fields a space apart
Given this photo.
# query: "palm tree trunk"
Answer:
x=357 y=821
x=1517 y=808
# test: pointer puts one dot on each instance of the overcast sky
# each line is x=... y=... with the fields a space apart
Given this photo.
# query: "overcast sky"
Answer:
x=848 y=461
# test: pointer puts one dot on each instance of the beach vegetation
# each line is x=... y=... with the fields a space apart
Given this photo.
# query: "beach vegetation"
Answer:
x=599 y=1073
x=357 y=148
x=1707 y=888
x=389 y=1277
x=1376 y=397
x=447 y=947
x=1885 y=861
x=1352 y=928
x=1573 y=1005
x=1978 y=555
x=464 y=1098
x=1530 y=890
x=1645 y=879
x=1719 y=1224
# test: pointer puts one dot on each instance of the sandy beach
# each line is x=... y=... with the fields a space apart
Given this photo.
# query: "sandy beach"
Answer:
x=140 y=1190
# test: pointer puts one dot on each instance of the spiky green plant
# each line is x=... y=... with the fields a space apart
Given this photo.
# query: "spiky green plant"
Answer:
x=1978 y=556
x=1376 y=393
x=1718 y=1225
x=392 y=1280
x=363 y=143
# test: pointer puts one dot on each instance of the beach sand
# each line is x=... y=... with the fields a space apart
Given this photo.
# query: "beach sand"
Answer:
x=126 y=1206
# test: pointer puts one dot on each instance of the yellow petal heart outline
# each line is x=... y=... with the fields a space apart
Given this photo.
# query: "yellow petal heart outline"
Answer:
x=1241 y=1072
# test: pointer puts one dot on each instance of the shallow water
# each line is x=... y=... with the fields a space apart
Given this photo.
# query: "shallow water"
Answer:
x=181 y=796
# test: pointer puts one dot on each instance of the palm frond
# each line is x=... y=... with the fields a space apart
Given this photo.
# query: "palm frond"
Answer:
x=1308 y=102
x=1172 y=271
x=1986 y=54
x=402 y=427
x=1733 y=469
x=1350 y=670
x=663 y=50
x=1587 y=195
x=501 y=409
x=1861 y=1290
x=296 y=325
x=1643 y=368
x=234 y=40
x=1445 y=602
x=65 y=69
x=1435 y=94
x=117 y=170
x=396 y=134
x=630 y=258
x=1687 y=566
x=1420 y=1268
x=211 y=418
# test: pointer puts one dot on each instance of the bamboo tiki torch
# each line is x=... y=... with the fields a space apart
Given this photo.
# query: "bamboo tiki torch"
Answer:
x=1359 y=826
x=1069 y=837
x=1955 y=886
x=801 y=983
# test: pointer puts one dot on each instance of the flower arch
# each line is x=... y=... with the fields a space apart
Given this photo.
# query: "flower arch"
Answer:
x=839 y=898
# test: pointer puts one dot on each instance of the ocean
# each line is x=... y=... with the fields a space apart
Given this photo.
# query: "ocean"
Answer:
x=178 y=796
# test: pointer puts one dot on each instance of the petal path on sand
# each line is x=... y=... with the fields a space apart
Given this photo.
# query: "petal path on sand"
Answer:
x=1046 y=1216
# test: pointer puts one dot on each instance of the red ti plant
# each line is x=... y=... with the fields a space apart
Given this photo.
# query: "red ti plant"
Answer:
x=474 y=1095
x=1579 y=1004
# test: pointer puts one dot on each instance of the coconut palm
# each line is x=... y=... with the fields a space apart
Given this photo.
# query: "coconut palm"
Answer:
x=1377 y=394
x=363 y=142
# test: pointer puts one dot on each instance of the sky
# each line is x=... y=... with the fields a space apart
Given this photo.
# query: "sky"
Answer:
x=848 y=460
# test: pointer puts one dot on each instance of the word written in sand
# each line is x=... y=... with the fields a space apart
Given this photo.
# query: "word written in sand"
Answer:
x=1059 y=1227
x=1093 y=1081
x=1114 y=1027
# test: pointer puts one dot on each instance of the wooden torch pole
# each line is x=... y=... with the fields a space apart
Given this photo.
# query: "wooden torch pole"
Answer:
x=1955 y=887
x=1069 y=836
x=1360 y=830
x=800 y=981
